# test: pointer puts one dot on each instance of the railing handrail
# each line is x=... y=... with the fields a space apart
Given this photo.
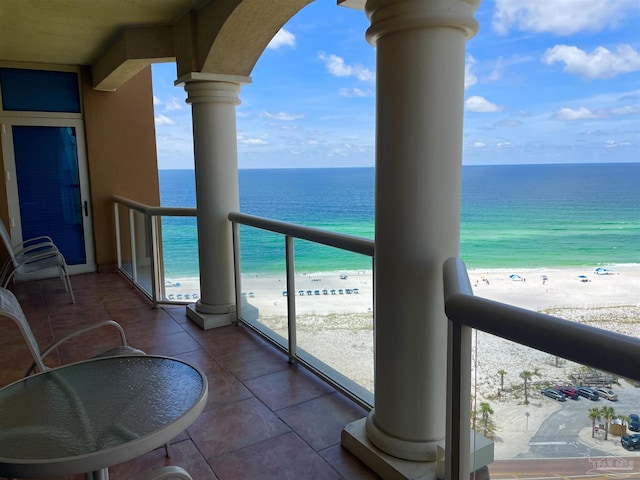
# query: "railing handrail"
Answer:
x=351 y=243
x=607 y=351
x=156 y=211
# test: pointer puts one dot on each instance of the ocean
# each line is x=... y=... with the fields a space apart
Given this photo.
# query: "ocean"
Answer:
x=513 y=216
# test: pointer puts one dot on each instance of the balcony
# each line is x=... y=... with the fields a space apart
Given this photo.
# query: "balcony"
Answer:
x=265 y=418
x=464 y=310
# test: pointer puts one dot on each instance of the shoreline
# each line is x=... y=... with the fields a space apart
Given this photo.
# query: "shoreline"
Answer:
x=537 y=289
x=338 y=328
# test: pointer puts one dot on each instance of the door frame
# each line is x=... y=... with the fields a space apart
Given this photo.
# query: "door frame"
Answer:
x=13 y=201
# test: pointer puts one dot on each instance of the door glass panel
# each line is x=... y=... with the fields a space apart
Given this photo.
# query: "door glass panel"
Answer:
x=49 y=187
x=39 y=90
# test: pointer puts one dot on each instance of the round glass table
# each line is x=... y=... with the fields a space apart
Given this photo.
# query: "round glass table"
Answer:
x=87 y=416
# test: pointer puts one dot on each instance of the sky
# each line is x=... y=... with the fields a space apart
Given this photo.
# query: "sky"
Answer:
x=547 y=81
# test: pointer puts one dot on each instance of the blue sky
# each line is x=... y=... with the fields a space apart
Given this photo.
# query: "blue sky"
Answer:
x=547 y=81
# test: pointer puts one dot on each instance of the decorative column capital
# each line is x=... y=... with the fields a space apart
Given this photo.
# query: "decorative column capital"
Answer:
x=389 y=16
x=212 y=87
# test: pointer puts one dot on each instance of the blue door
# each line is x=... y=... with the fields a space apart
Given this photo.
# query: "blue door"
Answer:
x=45 y=161
x=48 y=181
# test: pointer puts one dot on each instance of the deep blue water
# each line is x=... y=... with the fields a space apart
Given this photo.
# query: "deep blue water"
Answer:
x=512 y=216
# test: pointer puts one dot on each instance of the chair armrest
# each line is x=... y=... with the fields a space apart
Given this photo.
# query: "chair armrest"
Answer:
x=35 y=257
x=163 y=473
x=41 y=240
x=112 y=323
x=36 y=243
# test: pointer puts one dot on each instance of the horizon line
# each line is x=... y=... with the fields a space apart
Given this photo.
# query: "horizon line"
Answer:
x=464 y=165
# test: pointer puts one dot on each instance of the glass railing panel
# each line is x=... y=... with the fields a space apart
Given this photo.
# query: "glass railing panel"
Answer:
x=179 y=271
x=125 y=240
x=263 y=283
x=334 y=312
x=143 y=253
x=542 y=420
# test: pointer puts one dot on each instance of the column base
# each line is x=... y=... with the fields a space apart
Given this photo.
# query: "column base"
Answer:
x=354 y=438
x=207 y=321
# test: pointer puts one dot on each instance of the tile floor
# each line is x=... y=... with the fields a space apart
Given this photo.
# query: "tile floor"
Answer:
x=264 y=419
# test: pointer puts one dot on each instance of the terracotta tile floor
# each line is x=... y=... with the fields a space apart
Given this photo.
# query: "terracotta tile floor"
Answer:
x=264 y=419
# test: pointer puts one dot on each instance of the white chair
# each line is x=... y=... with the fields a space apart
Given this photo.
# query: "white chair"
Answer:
x=10 y=308
x=32 y=256
x=164 y=473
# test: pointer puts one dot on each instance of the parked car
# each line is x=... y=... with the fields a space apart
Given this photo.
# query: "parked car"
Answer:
x=634 y=422
x=608 y=394
x=588 y=392
x=568 y=391
x=631 y=442
x=554 y=394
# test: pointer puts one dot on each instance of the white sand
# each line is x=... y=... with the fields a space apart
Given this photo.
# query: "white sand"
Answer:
x=338 y=328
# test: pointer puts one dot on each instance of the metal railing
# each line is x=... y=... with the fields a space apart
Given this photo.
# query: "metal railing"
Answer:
x=141 y=258
x=291 y=232
x=617 y=354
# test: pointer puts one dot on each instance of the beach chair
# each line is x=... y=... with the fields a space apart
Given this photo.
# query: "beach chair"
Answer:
x=31 y=257
x=10 y=308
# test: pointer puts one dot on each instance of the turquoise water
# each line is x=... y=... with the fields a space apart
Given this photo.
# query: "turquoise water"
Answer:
x=512 y=216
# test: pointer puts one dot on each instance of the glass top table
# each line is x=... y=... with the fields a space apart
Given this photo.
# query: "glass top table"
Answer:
x=87 y=416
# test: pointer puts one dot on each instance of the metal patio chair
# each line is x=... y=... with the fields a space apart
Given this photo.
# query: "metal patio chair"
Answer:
x=10 y=308
x=32 y=256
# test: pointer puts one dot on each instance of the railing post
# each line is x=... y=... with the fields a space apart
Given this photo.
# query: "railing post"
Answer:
x=116 y=215
x=236 y=267
x=132 y=239
x=291 y=299
x=457 y=454
x=150 y=227
x=158 y=257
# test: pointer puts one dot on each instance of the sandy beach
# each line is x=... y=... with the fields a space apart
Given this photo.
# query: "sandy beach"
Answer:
x=335 y=321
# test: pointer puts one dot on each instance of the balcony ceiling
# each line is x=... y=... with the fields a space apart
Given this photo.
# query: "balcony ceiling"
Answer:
x=77 y=32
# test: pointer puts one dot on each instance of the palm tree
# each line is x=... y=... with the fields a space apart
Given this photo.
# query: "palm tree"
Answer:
x=502 y=373
x=526 y=376
x=486 y=411
x=608 y=414
x=594 y=415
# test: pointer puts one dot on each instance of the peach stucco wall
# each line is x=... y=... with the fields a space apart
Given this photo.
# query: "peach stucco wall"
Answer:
x=121 y=152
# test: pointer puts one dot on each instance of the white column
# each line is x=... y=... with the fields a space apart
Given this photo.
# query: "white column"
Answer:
x=213 y=100
x=420 y=48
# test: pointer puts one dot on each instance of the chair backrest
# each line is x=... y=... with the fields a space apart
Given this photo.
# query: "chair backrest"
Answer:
x=10 y=308
x=6 y=239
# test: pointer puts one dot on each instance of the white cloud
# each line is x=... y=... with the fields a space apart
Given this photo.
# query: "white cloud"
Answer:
x=252 y=141
x=478 y=144
x=283 y=116
x=626 y=110
x=339 y=68
x=509 y=122
x=559 y=17
x=470 y=77
x=173 y=104
x=601 y=63
x=283 y=38
x=156 y=101
x=352 y=92
x=480 y=104
x=496 y=74
x=571 y=114
x=163 y=120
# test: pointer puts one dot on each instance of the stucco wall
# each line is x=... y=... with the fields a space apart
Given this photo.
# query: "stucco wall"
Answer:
x=121 y=152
